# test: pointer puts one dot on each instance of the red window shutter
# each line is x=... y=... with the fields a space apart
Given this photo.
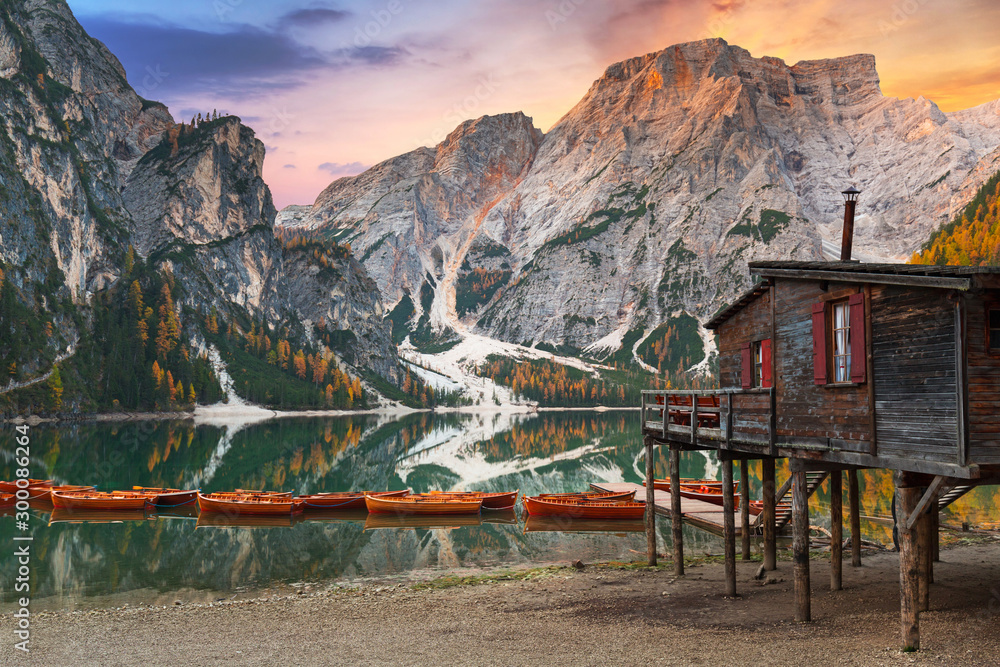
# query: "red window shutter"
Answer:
x=765 y=363
x=858 y=351
x=819 y=343
x=746 y=376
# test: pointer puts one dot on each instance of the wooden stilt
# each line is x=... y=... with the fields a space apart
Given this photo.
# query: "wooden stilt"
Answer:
x=770 y=530
x=935 y=536
x=676 y=519
x=923 y=529
x=745 y=507
x=650 y=505
x=729 y=526
x=854 y=497
x=836 y=530
x=800 y=546
x=906 y=502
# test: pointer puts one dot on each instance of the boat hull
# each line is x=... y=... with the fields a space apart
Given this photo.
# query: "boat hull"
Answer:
x=504 y=500
x=34 y=486
x=235 y=505
x=421 y=505
x=584 y=509
x=99 y=501
x=167 y=497
x=343 y=501
x=594 y=496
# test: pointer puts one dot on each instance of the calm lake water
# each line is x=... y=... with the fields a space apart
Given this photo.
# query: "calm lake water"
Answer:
x=147 y=557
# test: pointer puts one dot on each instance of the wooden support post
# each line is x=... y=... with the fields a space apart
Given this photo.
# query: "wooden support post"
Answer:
x=676 y=519
x=800 y=546
x=935 y=535
x=909 y=570
x=770 y=530
x=729 y=525
x=923 y=530
x=836 y=530
x=745 y=507
x=650 y=504
x=854 y=497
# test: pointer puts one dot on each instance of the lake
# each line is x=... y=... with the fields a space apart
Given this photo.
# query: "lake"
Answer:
x=105 y=560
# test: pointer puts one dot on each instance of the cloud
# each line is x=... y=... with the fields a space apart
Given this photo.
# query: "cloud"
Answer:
x=312 y=17
x=289 y=166
x=338 y=169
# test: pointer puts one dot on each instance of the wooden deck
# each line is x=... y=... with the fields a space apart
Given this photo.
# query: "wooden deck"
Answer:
x=698 y=513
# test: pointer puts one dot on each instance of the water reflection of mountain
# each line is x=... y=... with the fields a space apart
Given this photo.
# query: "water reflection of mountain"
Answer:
x=489 y=452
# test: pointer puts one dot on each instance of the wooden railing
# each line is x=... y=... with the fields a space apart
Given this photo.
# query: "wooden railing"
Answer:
x=726 y=416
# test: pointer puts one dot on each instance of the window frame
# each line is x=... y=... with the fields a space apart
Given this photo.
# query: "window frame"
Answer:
x=991 y=306
x=757 y=363
x=823 y=338
x=831 y=341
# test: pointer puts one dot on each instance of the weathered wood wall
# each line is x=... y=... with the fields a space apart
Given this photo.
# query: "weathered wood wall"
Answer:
x=916 y=391
x=984 y=383
x=752 y=323
x=806 y=410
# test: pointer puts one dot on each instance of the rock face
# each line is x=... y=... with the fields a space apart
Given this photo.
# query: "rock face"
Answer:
x=651 y=195
x=88 y=168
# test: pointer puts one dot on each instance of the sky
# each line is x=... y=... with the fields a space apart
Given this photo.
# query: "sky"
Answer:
x=333 y=87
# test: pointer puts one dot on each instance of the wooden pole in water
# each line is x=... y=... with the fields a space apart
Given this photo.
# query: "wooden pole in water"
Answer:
x=800 y=546
x=770 y=531
x=729 y=525
x=676 y=519
x=854 y=494
x=650 y=504
x=909 y=570
x=836 y=530
x=745 y=507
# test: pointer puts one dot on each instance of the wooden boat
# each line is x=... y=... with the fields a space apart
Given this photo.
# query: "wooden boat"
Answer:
x=561 y=524
x=280 y=494
x=346 y=500
x=167 y=497
x=377 y=520
x=756 y=507
x=664 y=484
x=601 y=496
x=709 y=491
x=584 y=509
x=246 y=504
x=34 y=486
x=99 y=500
x=504 y=500
x=422 y=505
x=7 y=501
x=62 y=515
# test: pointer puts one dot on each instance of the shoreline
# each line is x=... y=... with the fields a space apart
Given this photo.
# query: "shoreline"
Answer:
x=612 y=613
x=224 y=413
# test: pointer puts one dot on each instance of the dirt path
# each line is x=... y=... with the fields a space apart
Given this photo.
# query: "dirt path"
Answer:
x=597 y=616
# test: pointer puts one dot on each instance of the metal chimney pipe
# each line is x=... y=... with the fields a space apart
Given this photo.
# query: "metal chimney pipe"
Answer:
x=850 y=203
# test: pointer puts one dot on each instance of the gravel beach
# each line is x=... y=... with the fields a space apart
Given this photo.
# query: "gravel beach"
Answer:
x=598 y=615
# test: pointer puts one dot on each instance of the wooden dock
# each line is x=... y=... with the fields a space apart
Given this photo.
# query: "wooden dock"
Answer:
x=698 y=513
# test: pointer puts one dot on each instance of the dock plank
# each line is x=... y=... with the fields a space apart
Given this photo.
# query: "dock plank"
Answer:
x=695 y=512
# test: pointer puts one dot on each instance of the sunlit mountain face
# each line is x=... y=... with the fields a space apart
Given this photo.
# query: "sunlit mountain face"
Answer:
x=82 y=558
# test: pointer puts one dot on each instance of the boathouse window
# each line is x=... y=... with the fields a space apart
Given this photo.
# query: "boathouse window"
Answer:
x=839 y=341
x=756 y=366
x=993 y=328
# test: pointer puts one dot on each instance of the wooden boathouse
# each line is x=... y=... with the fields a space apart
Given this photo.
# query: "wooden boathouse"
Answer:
x=840 y=366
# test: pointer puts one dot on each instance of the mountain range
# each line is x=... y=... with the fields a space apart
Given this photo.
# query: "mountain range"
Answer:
x=609 y=236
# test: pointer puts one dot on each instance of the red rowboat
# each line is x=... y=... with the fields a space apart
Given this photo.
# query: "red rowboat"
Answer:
x=167 y=497
x=504 y=500
x=422 y=505
x=98 y=500
x=664 y=484
x=584 y=509
x=346 y=500
x=603 y=496
x=34 y=486
x=757 y=507
x=7 y=500
x=709 y=491
x=246 y=504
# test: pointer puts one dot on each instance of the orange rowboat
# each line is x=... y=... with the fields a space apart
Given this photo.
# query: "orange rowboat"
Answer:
x=710 y=491
x=664 y=484
x=347 y=500
x=240 y=505
x=584 y=509
x=422 y=505
x=98 y=500
x=167 y=497
x=590 y=496
x=504 y=500
x=757 y=507
x=34 y=486
x=7 y=501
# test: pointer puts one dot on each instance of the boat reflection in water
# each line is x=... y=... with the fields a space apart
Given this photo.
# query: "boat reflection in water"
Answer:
x=62 y=515
x=222 y=520
x=439 y=521
x=559 y=524
x=334 y=516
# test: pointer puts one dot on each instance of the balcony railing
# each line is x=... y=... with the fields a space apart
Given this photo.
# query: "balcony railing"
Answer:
x=724 y=416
